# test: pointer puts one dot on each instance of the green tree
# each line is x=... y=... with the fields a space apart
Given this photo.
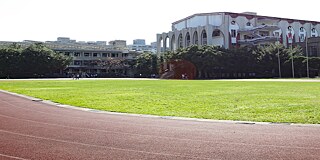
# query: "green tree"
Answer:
x=38 y=60
x=212 y=61
x=294 y=61
x=33 y=61
x=10 y=58
x=146 y=64
x=267 y=59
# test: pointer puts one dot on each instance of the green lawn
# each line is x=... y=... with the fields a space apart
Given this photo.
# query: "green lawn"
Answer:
x=297 y=102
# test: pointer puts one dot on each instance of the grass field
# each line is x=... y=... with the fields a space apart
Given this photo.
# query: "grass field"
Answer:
x=286 y=102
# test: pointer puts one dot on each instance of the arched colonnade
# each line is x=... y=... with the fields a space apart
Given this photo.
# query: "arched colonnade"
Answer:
x=192 y=36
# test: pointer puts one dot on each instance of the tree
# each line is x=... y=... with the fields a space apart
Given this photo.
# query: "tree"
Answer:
x=38 y=60
x=10 y=58
x=293 y=53
x=33 y=61
x=257 y=61
x=146 y=64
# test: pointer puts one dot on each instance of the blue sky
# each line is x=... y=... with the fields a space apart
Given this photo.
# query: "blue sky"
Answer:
x=103 y=20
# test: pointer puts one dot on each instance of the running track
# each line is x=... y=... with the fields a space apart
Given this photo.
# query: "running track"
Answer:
x=35 y=130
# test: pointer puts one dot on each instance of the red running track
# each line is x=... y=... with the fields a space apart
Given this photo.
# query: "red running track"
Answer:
x=35 y=130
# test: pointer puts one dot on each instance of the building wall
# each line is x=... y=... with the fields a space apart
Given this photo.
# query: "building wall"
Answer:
x=310 y=46
x=229 y=26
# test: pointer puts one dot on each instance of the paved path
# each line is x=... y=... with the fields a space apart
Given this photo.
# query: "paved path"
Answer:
x=34 y=130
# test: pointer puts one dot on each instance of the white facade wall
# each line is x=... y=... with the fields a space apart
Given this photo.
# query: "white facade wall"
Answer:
x=209 y=23
x=197 y=21
x=180 y=25
x=215 y=20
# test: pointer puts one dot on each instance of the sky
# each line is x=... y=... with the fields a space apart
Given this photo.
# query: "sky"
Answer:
x=107 y=20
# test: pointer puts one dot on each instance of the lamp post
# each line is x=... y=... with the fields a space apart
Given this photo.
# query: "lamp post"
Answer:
x=292 y=65
x=307 y=56
x=279 y=63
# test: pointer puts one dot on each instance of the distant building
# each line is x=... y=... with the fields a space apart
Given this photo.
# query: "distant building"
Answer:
x=89 y=58
x=139 y=42
x=154 y=44
x=65 y=40
x=139 y=45
x=229 y=30
x=118 y=44
x=101 y=43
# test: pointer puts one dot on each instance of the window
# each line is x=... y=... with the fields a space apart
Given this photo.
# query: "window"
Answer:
x=95 y=54
x=277 y=34
x=77 y=62
x=247 y=37
x=264 y=33
x=301 y=29
x=87 y=54
x=248 y=24
x=86 y=62
x=302 y=37
x=216 y=33
x=105 y=54
x=290 y=34
x=313 y=30
x=114 y=55
x=233 y=33
x=77 y=54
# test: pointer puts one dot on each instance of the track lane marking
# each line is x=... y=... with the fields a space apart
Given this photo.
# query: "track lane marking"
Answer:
x=97 y=146
x=13 y=157
x=163 y=137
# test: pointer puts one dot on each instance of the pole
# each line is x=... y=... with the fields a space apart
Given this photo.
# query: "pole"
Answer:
x=307 y=55
x=279 y=63
x=292 y=65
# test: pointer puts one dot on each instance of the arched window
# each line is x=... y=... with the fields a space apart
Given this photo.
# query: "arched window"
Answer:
x=216 y=33
x=204 y=37
x=188 y=39
x=180 y=41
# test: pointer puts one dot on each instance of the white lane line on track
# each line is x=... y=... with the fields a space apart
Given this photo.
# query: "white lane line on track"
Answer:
x=97 y=146
x=164 y=137
x=12 y=157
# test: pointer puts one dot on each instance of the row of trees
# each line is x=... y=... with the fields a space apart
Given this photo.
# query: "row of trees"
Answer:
x=246 y=62
x=33 y=61
x=210 y=61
